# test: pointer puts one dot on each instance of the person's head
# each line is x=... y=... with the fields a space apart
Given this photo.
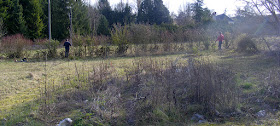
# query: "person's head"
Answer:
x=67 y=40
x=220 y=33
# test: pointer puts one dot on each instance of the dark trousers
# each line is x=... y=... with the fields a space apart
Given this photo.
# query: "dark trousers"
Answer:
x=220 y=45
x=66 y=53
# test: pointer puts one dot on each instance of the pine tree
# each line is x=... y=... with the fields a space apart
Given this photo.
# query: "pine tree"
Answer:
x=16 y=23
x=60 y=19
x=4 y=6
x=153 y=12
x=32 y=12
x=103 y=27
x=80 y=18
x=198 y=10
x=106 y=10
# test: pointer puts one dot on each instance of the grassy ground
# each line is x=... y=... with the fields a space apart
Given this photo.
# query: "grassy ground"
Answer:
x=23 y=83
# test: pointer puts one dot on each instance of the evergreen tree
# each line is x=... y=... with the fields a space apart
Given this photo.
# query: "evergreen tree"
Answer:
x=153 y=12
x=198 y=10
x=32 y=12
x=161 y=13
x=4 y=6
x=106 y=10
x=123 y=14
x=60 y=19
x=103 y=27
x=145 y=12
x=201 y=15
x=80 y=18
x=15 y=22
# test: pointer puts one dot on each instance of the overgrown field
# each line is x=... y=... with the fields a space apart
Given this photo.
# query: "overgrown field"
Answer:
x=226 y=87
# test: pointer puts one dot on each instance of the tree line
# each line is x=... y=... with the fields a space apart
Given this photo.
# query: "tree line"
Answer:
x=30 y=17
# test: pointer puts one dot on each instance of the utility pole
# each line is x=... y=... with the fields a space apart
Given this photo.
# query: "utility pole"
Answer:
x=50 y=26
x=71 y=27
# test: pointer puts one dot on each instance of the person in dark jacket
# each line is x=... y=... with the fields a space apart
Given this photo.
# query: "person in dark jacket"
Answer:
x=67 y=45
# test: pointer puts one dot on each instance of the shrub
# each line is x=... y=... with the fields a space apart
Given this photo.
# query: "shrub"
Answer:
x=206 y=45
x=14 y=45
x=103 y=51
x=119 y=38
x=246 y=44
x=141 y=34
x=228 y=40
x=52 y=48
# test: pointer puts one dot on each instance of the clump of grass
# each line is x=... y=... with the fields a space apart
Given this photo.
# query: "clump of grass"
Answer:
x=247 y=86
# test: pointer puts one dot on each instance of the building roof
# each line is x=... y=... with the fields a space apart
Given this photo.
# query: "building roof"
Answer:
x=223 y=17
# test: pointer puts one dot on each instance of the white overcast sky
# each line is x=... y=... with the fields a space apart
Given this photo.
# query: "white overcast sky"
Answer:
x=218 y=6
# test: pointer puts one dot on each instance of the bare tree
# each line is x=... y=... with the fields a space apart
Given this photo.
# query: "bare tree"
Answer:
x=265 y=7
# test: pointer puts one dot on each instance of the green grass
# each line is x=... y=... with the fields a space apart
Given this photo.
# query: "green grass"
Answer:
x=22 y=84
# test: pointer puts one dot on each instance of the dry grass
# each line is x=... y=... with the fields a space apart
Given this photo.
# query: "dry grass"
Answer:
x=23 y=82
x=112 y=85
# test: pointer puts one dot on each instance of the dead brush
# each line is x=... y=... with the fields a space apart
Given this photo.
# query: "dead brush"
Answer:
x=152 y=91
x=271 y=89
x=162 y=85
x=14 y=46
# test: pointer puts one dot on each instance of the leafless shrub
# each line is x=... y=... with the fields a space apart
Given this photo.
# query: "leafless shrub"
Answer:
x=13 y=46
x=152 y=91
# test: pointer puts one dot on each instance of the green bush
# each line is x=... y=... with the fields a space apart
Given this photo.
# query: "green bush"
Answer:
x=52 y=48
x=119 y=38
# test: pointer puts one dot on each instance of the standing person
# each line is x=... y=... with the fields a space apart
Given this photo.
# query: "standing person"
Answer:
x=220 y=39
x=67 y=45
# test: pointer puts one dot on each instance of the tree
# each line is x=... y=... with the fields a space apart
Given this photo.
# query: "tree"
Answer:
x=263 y=7
x=15 y=21
x=123 y=14
x=32 y=12
x=185 y=16
x=153 y=12
x=198 y=10
x=4 y=6
x=94 y=16
x=106 y=10
x=60 y=19
x=80 y=18
x=103 y=27
x=201 y=15
x=161 y=13
x=145 y=12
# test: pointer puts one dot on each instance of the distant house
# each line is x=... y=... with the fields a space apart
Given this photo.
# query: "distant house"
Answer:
x=222 y=17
